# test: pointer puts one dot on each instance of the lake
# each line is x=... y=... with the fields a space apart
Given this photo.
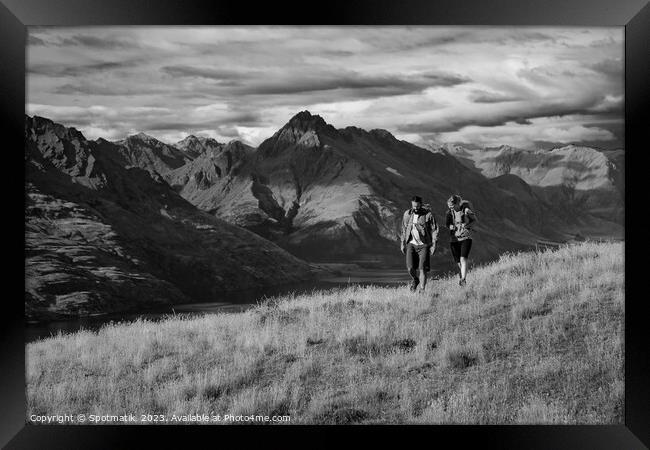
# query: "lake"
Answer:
x=232 y=301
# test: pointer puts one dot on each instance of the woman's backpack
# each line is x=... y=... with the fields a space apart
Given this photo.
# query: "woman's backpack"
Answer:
x=467 y=219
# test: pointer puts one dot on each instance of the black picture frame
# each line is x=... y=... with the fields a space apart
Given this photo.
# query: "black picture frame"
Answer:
x=16 y=15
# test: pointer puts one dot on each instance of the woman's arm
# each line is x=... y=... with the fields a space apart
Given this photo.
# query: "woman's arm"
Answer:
x=433 y=227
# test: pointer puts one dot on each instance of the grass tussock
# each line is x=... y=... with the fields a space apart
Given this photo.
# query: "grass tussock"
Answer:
x=532 y=338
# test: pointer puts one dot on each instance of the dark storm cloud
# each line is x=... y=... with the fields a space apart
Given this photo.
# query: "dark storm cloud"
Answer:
x=605 y=106
x=228 y=131
x=609 y=67
x=352 y=85
x=605 y=42
x=166 y=126
x=85 y=88
x=451 y=37
x=261 y=83
x=545 y=76
x=479 y=96
x=493 y=120
x=530 y=37
x=82 y=120
x=98 y=42
x=473 y=36
x=362 y=85
x=615 y=126
x=206 y=72
x=35 y=40
x=240 y=119
x=338 y=53
x=52 y=70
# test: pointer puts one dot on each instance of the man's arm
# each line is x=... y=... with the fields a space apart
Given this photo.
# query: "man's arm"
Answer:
x=402 y=236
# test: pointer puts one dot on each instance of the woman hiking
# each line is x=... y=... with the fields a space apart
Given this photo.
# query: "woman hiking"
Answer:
x=460 y=220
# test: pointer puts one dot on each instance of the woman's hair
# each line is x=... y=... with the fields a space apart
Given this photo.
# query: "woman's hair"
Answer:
x=454 y=200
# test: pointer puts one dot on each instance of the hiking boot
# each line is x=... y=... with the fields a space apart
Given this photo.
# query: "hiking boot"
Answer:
x=462 y=282
x=414 y=285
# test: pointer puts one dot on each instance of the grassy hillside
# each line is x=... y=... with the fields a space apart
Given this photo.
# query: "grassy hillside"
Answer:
x=532 y=338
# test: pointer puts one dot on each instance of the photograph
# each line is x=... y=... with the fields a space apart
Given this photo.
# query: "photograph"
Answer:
x=324 y=225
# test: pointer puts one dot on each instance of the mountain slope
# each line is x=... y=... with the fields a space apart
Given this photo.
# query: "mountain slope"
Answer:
x=104 y=237
x=201 y=180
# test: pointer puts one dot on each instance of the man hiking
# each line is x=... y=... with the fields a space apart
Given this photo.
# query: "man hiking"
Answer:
x=418 y=241
x=460 y=219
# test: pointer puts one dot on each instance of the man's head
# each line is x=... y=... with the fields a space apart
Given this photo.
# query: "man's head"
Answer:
x=416 y=202
x=453 y=202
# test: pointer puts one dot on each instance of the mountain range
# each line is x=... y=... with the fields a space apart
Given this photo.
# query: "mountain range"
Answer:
x=329 y=194
x=134 y=222
x=103 y=234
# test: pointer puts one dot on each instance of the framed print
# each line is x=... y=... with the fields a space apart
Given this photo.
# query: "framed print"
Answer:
x=364 y=213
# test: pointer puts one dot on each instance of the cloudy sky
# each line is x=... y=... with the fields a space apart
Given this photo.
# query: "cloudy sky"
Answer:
x=529 y=87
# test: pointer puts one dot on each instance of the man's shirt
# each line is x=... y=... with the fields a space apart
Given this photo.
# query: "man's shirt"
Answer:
x=415 y=234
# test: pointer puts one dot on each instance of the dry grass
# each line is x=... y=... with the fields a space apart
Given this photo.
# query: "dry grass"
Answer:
x=533 y=338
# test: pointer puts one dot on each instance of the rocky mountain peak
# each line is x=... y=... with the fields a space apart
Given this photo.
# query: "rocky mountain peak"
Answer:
x=189 y=139
x=143 y=137
x=353 y=130
x=305 y=120
x=195 y=145
x=573 y=148
x=43 y=125
x=208 y=141
x=136 y=138
x=304 y=130
x=383 y=134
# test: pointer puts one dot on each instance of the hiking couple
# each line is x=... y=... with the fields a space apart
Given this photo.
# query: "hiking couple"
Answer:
x=420 y=235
